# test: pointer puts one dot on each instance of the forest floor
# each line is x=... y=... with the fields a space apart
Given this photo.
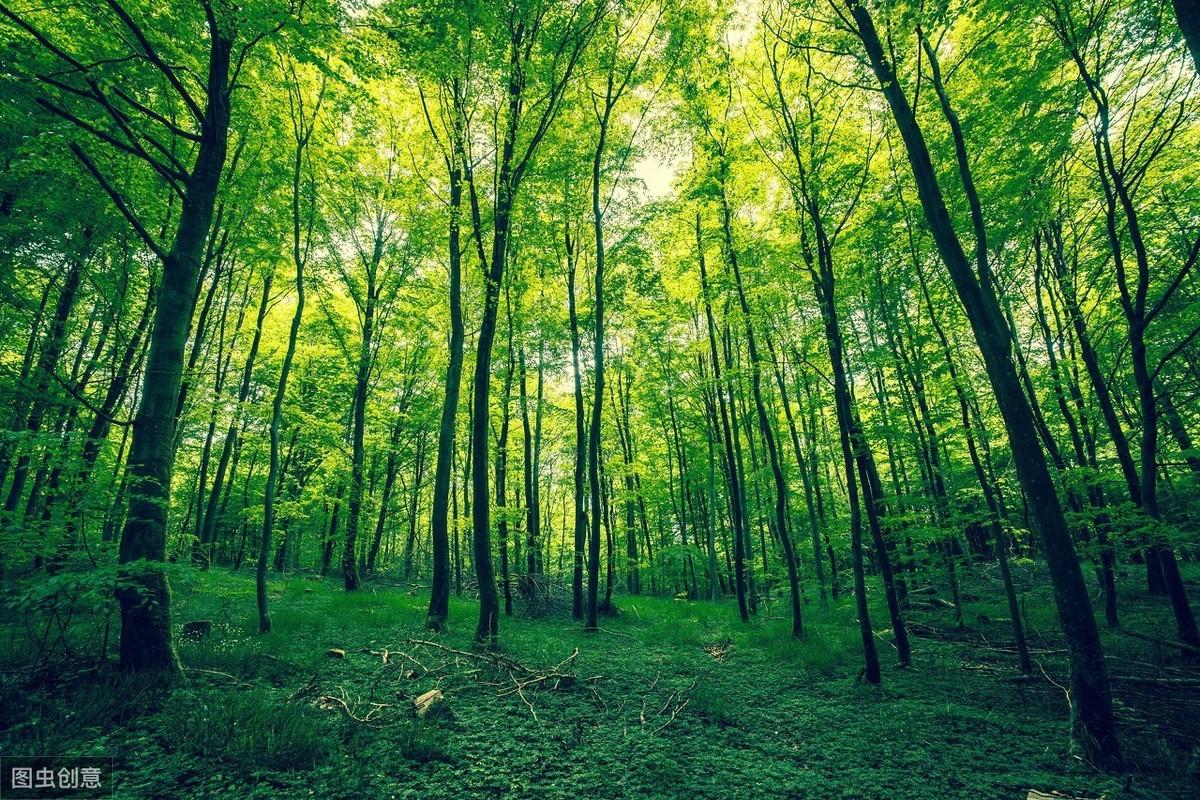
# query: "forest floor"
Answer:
x=672 y=699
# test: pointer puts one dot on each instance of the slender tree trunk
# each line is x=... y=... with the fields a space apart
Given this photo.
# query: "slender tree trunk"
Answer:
x=414 y=507
x=814 y=530
x=732 y=469
x=1089 y=679
x=1179 y=431
x=581 y=445
x=765 y=426
x=502 y=473
x=999 y=537
x=1118 y=190
x=302 y=130
x=598 y=372
x=208 y=529
x=47 y=365
x=331 y=537
x=385 y=497
x=273 y=470
x=439 y=594
x=350 y=576
x=223 y=365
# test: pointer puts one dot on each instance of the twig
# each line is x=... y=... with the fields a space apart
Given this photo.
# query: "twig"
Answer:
x=674 y=714
x=369 y=719
x=233 y=678
x=617 y=633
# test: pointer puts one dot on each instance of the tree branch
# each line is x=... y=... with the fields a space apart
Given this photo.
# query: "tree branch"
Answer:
x=118 y=201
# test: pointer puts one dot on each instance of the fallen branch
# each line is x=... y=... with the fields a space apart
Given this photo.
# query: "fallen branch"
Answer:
x=373 y=718
x=676 y=701
x=518 y=678
x=1187 y=648
x=306 y=689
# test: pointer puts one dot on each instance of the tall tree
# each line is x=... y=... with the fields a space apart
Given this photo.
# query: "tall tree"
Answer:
x=200 y=75
x=977 y=293
x=303 y=218
x=543 y=45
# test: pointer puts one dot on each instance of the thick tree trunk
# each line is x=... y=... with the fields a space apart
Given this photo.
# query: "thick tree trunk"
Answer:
x=1187 y=13
x=146 y=643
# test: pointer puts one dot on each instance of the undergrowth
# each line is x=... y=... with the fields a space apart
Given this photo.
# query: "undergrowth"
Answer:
x=670 y=699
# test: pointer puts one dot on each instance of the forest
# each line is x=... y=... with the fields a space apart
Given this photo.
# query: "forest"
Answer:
x=601 y=398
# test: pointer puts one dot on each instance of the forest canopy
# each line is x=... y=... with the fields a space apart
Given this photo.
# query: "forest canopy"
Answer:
x=848 y=320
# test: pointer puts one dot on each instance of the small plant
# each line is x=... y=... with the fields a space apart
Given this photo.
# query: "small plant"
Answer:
x=249 y=729
x=419 y=741
x=714 y=706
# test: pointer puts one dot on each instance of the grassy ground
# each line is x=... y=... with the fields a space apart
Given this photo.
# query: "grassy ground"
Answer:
x=673 y=699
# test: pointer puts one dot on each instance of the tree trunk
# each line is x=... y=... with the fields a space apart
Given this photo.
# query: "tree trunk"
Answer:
x=145 y=643
x=389 y=482
x=47 y=364
x=732 y=467
x=208 y=529
x=764 y=423
x=1089 y=679
x=581 y=446
x=351 y=578
x=414 y=507
x=1187 y=13
x=439 y=594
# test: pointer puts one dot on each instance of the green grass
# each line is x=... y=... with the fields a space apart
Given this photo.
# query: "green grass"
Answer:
x=248 y=729
x=673 y=699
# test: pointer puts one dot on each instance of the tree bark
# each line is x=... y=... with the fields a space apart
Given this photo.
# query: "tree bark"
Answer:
x=581 y=446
